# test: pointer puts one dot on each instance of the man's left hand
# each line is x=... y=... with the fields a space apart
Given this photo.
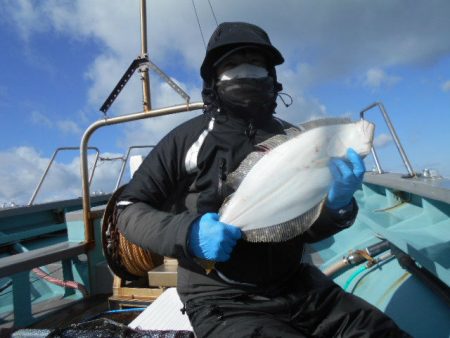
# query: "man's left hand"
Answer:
x=347 y=178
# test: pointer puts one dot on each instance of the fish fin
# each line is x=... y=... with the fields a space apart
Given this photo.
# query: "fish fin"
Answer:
x=324 y=122
x=235 y=178
x=278 y=139
x=284 y=231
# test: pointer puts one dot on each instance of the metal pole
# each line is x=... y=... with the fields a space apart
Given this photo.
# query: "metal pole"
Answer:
x=376 y=160
x=94 y=166
x=391 y=128
x=42 y=178
x=122 y=169
x=144 y=53
x=88 y=228
x=397 y=141
x=125 y=159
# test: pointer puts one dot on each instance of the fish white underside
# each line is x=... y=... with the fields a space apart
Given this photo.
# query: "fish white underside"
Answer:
x=293 y=179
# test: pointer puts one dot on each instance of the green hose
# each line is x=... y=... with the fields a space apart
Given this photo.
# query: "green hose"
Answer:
x=353 y=276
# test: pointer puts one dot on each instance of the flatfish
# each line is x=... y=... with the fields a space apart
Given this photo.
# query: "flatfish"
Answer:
x=280 y=189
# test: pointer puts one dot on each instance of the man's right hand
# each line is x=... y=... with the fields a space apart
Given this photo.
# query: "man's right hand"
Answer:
x=211 y=239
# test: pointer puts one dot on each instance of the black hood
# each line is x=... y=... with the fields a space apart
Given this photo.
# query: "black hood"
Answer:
x=230 y=36
x=225 y=40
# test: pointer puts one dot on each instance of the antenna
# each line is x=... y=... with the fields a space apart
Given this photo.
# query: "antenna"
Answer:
x=143 y=63
x=144 y=55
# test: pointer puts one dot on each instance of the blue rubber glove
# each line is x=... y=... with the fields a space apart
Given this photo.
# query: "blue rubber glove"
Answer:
x=348 y=177
x=213 y=240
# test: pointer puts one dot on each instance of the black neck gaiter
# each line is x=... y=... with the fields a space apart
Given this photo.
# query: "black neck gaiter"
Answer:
x=250 y=98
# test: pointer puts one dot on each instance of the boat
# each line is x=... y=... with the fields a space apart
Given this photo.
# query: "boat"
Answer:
x=56 y=268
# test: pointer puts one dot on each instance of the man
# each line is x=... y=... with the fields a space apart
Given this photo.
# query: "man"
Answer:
x=170 y=207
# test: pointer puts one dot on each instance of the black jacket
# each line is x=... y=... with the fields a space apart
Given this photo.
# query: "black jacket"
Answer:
x=182 y=178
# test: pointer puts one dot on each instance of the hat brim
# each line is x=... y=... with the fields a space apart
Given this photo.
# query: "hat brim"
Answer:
x=273 y=55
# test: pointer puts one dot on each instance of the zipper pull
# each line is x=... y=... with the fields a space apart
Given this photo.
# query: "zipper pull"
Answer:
x=250 y=131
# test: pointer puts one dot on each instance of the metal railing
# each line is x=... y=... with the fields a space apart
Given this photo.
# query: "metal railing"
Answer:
x=394 y=135
x=38 y=188
x=125 y=159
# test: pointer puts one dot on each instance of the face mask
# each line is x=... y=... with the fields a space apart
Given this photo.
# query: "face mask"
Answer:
x=248 y=97
x=244 y=70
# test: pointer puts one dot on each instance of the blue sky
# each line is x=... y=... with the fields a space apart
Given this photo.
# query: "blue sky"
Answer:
x=61 y=59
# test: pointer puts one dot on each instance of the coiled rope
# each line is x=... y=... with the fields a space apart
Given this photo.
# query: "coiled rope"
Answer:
x=134 y=258
x=126 y=259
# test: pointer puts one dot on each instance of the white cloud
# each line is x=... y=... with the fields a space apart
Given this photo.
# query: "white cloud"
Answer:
x=40 y=119
x=25 y=16
x=150 y=131
x=104 y=73
x=382 y=140
x=19 y=174
x=320 y=37
x=65 y=126
x=68 y=127
x=303 y=107
x=82 y=116
x=116 y=25
x=376 y=77
x=23 y=167
x=321 y=41
x=342 y=39
x=446 y=86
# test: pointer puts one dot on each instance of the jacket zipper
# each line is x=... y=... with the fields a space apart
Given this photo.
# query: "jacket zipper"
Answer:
x=222 y=178
x=251 y=130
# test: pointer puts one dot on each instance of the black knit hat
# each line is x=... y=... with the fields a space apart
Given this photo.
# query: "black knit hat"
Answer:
x=232 y=36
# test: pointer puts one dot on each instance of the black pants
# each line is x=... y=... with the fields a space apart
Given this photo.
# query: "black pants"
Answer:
x=311 y=305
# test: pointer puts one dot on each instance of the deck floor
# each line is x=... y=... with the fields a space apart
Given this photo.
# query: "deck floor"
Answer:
x=74 y=313
x=60 y=313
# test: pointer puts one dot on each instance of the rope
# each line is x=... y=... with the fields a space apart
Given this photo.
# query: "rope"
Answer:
x=198 y=22
x=213 y=14
x=124 y=257
x=135 y=259
x=63 y=283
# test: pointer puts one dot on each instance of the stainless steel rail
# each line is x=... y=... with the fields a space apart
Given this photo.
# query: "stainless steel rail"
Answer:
x=89 y=231
x=389 y=124
x=125 y=159
x=36 y=191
